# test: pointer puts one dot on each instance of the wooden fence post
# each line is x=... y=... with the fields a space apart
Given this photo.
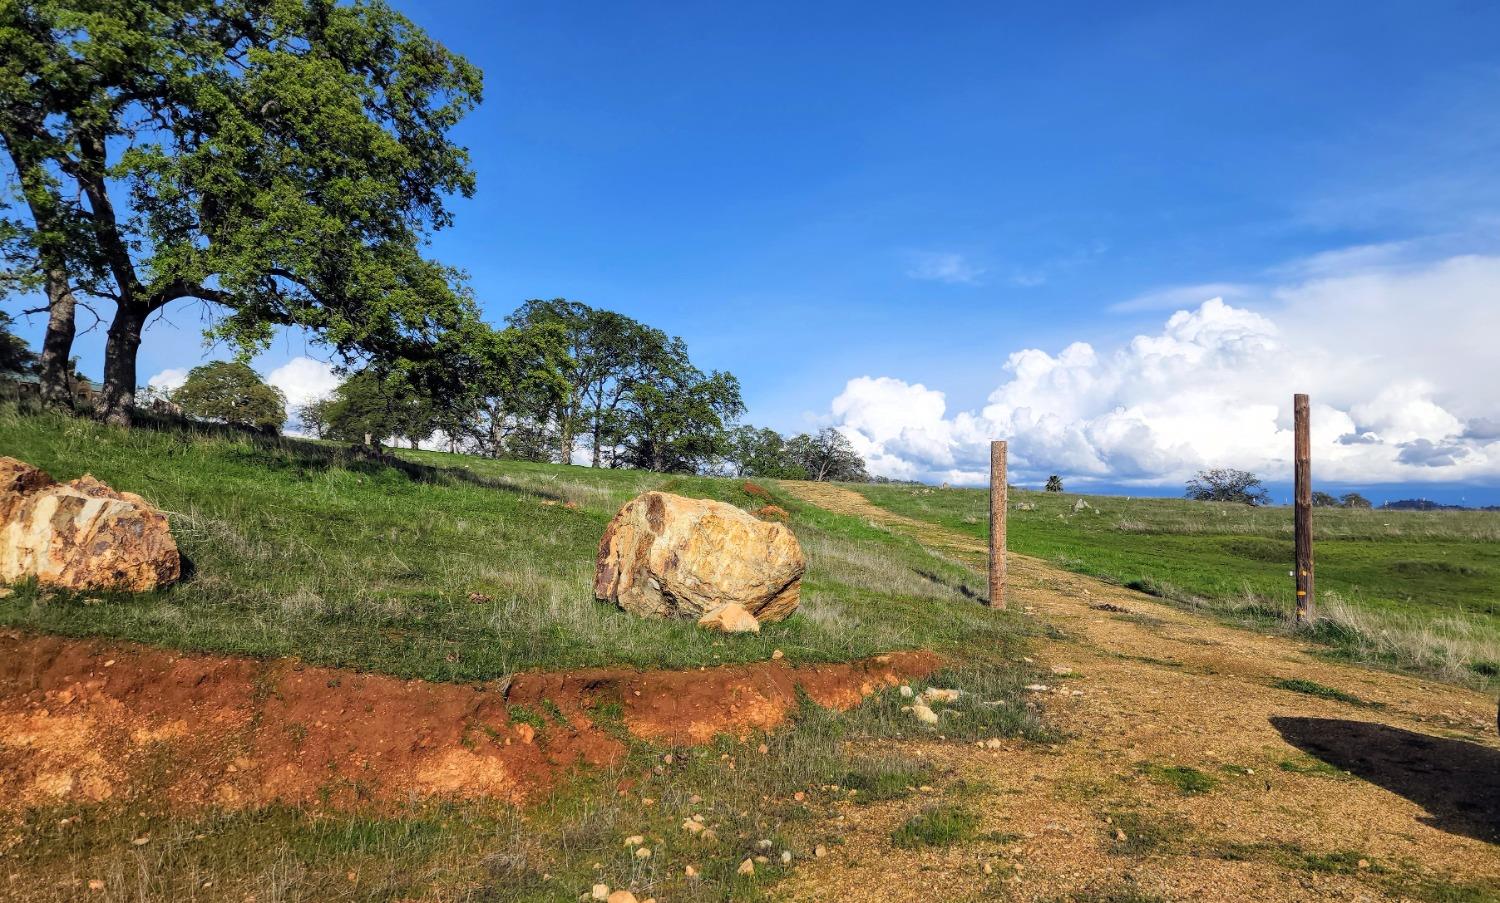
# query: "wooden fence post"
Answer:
x=1302 y=456
x=997 y=524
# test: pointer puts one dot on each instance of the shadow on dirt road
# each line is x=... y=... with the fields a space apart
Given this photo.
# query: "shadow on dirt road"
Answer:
x=1457 y=782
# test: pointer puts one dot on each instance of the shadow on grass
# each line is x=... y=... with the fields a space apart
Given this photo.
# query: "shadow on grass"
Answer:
x=274 y=452
x=960 y=588
x=1456 y=781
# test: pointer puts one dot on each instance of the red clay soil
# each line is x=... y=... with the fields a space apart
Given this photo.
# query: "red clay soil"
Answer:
x=85 y=720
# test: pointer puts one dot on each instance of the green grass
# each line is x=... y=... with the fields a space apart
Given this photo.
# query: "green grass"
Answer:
x=936 y=826
x=1145 y=832
x=1414 y=589
x=879 y=780
x=1444 y=890
x=1312 y=688
x=1185 y=778
x=1294 y=856
x=296 y=548
x=1308 y=765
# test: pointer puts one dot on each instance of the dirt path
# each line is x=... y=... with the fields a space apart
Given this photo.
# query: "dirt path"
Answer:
x=1291 y=796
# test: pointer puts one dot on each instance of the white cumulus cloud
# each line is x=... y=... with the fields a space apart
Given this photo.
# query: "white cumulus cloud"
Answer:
x=1400 y=365
x=168 y=380
x=303 y=380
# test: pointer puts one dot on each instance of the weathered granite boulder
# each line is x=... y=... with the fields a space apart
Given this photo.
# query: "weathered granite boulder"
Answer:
x=81 y=535
x=731 y=618
x=668 y=556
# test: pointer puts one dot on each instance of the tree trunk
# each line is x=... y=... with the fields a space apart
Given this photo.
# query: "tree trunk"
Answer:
x=118 y=399
x=55 y=363
x=55 y=366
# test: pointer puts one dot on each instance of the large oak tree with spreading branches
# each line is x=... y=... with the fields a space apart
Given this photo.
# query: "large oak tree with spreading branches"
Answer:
x=281 y=160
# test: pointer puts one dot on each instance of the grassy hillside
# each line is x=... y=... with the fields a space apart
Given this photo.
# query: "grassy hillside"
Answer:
x=298 y=549
x=1429 y=580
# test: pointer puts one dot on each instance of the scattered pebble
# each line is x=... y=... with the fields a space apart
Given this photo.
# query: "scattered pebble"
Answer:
x=820 y=851
x=746 y=868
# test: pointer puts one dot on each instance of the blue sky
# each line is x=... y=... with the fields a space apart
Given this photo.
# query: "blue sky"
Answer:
x=814 y=193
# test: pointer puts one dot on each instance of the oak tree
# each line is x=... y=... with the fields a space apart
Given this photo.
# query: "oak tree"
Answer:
x=281 y=160
x=231 y=392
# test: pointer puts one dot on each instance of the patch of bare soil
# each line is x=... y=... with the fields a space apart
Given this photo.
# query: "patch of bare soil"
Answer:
x=92 y=720
x=1187 y=774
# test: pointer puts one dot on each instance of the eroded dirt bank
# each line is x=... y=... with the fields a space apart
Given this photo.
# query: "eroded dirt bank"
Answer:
x=84 y=720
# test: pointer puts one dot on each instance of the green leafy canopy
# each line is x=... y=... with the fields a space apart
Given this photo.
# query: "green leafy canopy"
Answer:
x=282 y=159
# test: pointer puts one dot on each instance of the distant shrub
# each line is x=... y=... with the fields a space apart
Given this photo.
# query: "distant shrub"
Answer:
x=1225 y=484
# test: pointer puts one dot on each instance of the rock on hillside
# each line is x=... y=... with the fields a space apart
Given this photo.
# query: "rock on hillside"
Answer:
x=81 y=535
x=668 y=556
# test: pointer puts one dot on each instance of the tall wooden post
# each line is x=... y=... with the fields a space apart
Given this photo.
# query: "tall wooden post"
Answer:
x=997 y=524
x=1302 y=456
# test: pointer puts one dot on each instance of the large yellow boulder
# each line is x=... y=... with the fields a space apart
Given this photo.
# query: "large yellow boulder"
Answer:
x=81 y=535
x=666 y=556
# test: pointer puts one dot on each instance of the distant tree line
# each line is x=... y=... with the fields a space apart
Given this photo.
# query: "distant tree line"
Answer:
x=1223 y=484
x=561 y=382
x=1347 y=500
x=826 y=455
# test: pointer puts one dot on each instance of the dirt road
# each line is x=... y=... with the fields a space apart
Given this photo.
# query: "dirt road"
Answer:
x=1186 y=773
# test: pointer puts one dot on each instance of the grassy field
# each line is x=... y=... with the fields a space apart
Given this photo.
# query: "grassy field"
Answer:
x=298 y=549
x=1418 y=588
